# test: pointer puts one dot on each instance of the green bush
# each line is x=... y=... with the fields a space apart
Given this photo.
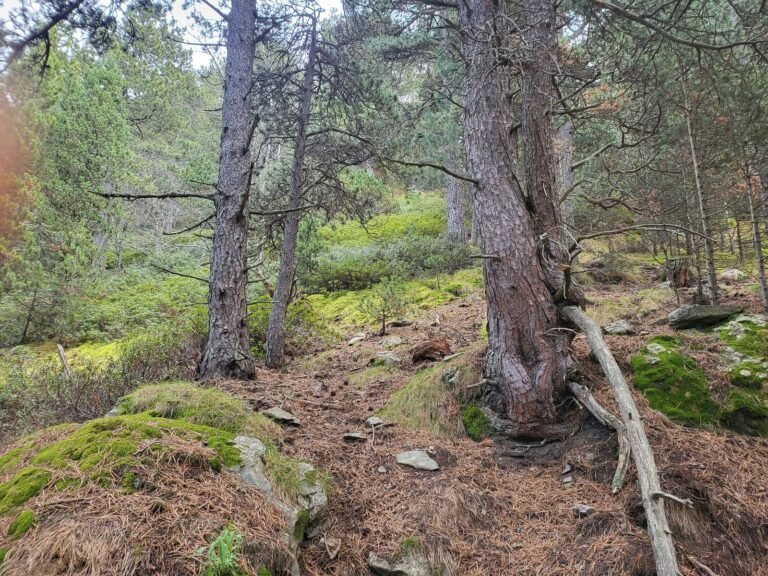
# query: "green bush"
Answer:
x=387 y=301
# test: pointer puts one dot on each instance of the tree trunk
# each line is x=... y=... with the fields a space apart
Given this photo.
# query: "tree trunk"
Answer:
x=564 y=149
x=759 y=258
x=227 y=351
x=454 y=208
x=275 y=345
x=706 y=228
x=526 y=358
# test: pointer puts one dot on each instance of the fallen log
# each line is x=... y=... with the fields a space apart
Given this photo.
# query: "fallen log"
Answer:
x=585 y=398
x=647 y=474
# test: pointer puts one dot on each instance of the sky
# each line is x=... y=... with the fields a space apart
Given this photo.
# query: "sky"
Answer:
x=199 y=56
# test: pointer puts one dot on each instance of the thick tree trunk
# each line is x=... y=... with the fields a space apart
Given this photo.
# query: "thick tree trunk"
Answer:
x=227 y=351
x=454 y=208
x=276 y=329
x=526 y=356
x=759 y=258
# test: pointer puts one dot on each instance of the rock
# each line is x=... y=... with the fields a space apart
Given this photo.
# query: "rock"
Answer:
x=432 y=350
x=388 y=359
x=619 y=328
x=701 y=316
x=114 y=412
x=417 y=459
x=582 y=510
x=355 y=437
x=450 y=377
x=359 y=337
x=382 y=470
x=399 y=323
x=568 y=480
x=251 y=469
x=655 y=348
x=567 y=469
x=732 y=276
x=391 y=341
x=412 y=564
x=281 y=416
x=374 y=422
x=312 y=497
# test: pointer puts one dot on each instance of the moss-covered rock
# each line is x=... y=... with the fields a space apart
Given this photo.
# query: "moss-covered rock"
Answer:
x=673 y=383
x=21 y=524
x=25 y=484
x=746 y=411
x=746 y=351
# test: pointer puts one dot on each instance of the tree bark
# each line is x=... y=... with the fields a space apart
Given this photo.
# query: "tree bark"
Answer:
x=454 y=208
x=275 y=345
x=227 y=350
x=526 y=358
x=564 y=147
x=647 y=474
x=759 y=258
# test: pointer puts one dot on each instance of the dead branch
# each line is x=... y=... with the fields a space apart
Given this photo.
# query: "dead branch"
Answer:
x=647 y=474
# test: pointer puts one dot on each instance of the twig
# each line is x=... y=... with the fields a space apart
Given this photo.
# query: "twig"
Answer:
x=685 y=502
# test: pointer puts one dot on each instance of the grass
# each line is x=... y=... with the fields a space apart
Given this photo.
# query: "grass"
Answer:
x=621 y=303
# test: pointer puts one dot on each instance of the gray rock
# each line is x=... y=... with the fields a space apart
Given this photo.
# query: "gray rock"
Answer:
x=355 y=437
x=450 y=377
x=568 y=480
x=114 y=412
x=619 y=328
x=388 y=359
x=701 y=316
x=391 y=341
x=359 y=337
x=417 y=459
x=412 y=564
x=281 y=416
x=382 y=470
x=251 y=469
x=374 y=422
x=732 y=276
x=312 y=497
x=583 y=510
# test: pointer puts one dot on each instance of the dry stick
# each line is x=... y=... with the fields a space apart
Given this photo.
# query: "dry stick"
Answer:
x=64 y=363
x=584 y=396
x=647 y=475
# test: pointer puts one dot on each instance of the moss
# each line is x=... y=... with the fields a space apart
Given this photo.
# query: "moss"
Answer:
x=302 y=523
x=284 y=473
x=746 y=411
x=3 y=553
x=476 y=423
x=25 y=484
x=263 y=571
x=673 y=383
x=23 y=522
x=425 y=403
x=197 y=405
x=746 y=337
x=362 y=378
x=410 y=545
x=748 y=374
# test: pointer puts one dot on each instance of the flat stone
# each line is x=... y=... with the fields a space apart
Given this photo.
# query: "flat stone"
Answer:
x=619 y=328
x=583 y=510
x=568 y=479
x=382 y=470
x=251 y=468
x=412 y=564
x=387 y=358
x=701 y=316
x=281 y=416
x=391 y=341
x=357 y=338
x=417 y=459
x=732 y=276
x=374 y=422
x=355 y=436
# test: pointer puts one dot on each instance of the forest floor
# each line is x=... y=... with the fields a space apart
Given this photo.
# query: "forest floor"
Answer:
x=497 y=510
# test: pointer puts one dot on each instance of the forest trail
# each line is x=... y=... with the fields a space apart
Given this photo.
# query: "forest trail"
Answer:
x=484 y=511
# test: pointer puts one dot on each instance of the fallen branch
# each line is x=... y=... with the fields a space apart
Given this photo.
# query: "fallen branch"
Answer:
x=683 y=501
x=647 y=474
x=585 y=398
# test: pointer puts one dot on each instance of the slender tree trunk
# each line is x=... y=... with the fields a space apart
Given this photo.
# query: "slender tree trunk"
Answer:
x=565 y=174
x=706 y=227
x=526 y=357
x=454 y=208
x=276 y=329
x=227 y=351
x=759 y=258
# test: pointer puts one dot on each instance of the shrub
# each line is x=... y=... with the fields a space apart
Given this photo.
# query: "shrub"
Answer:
x=387 y=301
x=221 y=554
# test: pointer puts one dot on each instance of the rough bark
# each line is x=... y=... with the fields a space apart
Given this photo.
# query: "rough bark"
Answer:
x=759 y=257
x=227 y=351
x=275 y=345
x=526 y=357
x=454 y=208
x=647 y=474
x=564 y=147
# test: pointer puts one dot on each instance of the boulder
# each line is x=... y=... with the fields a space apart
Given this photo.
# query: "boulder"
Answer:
x=583 y=510
x=619 y=328
x=701 y=316
x=374 y=422
x=357 y=338
x=417 y=459
x=432 y=350
x=732 y=276
x=391 y=341
x=411 y=564
x=388 y=359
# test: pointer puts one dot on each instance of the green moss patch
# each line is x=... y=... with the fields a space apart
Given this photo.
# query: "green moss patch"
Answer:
x=476 y=423
x=198 y=405
x=23 y=522
x=673 y=383
x=746 y=411
x=746 y=338
x=25 y=484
